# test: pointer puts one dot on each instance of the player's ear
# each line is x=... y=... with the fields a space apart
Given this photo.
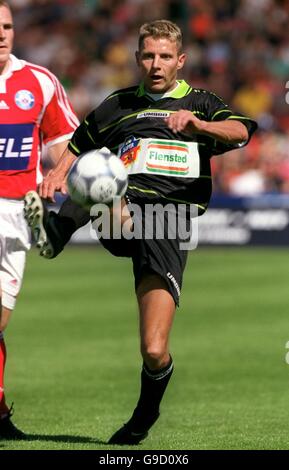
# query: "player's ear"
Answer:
x=181 y=61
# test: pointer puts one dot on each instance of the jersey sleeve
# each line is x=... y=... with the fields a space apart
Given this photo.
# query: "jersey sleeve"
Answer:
x=59 y=120
x=90 y=134
x=86 y=136
x=213 y=108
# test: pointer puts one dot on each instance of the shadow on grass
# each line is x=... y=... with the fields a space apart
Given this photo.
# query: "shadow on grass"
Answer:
x=61 y=438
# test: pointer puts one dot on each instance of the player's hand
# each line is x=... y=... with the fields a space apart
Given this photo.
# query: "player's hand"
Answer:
x=185 y=121
x=52 y=182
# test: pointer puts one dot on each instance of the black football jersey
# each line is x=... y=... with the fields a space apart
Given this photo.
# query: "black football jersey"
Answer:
x=130 y=114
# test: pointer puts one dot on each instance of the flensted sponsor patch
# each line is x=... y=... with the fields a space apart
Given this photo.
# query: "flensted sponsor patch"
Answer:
x=161 y=157
x=168 y=157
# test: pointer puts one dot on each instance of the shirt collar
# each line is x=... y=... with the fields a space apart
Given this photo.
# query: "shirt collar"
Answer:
x=179 y=92
x=14 y=64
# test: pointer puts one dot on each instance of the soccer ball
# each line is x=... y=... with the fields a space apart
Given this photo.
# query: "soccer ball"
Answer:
x=97 y=176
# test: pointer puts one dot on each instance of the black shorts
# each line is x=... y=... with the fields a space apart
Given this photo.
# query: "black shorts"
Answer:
x=151 y=253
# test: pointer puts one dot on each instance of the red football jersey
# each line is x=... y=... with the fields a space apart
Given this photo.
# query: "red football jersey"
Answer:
x=34 y=111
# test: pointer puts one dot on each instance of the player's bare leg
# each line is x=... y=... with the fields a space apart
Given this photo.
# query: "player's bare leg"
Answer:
x=120 y=221
x=157 y=308
x=7 y=429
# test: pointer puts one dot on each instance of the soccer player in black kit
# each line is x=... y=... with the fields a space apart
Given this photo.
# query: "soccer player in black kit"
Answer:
x=172 y=130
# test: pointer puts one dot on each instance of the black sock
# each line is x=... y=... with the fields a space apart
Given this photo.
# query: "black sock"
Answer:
x=153 y=386
x=69 y=219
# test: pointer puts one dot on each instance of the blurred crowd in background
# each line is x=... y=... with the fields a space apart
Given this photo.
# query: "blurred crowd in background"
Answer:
x=237 y=48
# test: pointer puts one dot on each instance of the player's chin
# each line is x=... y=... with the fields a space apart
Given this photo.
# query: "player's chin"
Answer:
x=158 y=86
x=4 y=55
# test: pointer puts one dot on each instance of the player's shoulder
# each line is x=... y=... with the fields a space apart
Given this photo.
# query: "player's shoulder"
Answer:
x=117 y=94
x=205 y=95
x=117 y=100
x=202 y=92
x=39 y=70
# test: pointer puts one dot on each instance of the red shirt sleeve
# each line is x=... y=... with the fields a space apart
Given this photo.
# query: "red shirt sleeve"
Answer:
x=59 y=120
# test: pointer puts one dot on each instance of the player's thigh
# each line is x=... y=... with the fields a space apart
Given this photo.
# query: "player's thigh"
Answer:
x=5 y=314
x=11 y=276
x=120 y=214
x=14 y=241
x=161 y=257
x=156 y=309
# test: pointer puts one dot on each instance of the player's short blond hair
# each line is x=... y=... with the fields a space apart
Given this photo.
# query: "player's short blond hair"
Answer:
x=161 y=29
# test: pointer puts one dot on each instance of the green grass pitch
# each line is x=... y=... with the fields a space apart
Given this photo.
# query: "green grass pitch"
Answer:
x=73 y=369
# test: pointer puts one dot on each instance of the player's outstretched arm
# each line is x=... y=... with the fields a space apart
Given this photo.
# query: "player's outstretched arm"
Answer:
x=56 y=178
x=232 y=132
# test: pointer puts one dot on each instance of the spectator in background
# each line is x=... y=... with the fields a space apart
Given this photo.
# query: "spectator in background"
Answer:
x=238 y=49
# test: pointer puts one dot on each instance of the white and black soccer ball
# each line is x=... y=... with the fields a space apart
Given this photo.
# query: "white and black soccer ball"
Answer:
x=97 y=176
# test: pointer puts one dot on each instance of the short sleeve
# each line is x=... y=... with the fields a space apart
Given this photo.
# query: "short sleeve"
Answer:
x=215 y=109
x=59 y=120
x=86 y=136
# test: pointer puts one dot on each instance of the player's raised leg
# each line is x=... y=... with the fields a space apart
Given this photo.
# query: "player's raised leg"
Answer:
x=37 y=216
x=52 y=231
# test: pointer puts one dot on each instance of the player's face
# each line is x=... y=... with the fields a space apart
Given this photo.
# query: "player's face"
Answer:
x=6 y=36
x=159 y=61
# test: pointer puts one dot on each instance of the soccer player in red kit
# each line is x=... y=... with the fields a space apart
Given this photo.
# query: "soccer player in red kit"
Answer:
x=34 y=112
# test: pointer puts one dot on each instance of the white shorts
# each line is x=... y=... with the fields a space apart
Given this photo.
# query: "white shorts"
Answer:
x=14 y=243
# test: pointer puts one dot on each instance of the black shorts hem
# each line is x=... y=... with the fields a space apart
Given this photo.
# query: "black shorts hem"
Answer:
x=148 y=269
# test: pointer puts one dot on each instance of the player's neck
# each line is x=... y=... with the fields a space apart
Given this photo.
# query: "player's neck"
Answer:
x=4 y=67
x=165 y=94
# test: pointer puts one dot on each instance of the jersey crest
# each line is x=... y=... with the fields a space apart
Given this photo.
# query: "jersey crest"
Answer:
x=129 y=150
x=24 y=99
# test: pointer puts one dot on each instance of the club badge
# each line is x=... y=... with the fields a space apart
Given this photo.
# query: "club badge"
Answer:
x=24 y=99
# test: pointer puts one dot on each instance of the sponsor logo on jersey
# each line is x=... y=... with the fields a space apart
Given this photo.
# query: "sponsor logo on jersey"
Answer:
x=3 y=105
x=129 y=150
x=167 y=157
x=16 y=144
x=24 y=99
x=153 y=114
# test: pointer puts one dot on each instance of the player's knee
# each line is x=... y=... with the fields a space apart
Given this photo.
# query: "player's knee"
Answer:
x=154 y=355
x=3 y=324
x=5 y=317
